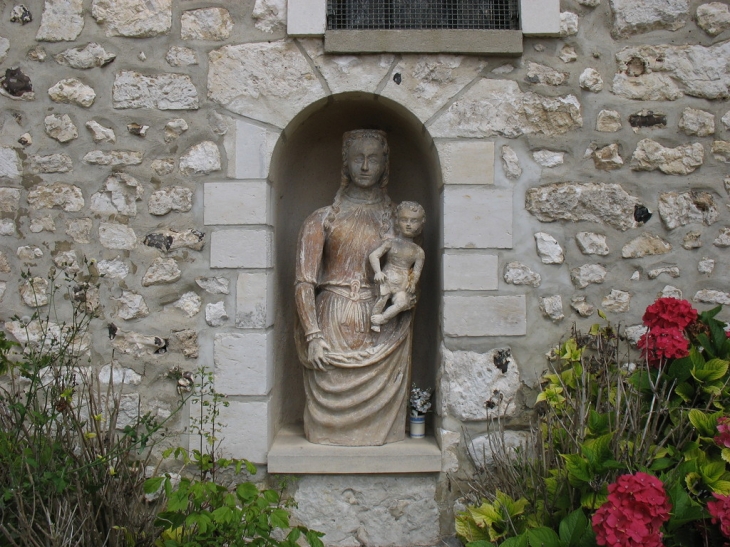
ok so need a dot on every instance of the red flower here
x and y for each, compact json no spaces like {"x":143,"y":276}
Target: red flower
{"x":637,"y":507}
{"x":670,"y":313}
{"x":663,"y":343}
{"x":723,"y":428}
{"x":720,"y":511}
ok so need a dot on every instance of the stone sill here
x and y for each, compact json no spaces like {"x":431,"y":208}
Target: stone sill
{"x":292,"y":453}
{"x":493,"y":42}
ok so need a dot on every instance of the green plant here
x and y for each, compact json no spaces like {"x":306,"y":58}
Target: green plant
{"x":614,"y":435}
{"x":202,"y":511}
{"x":69,"y":473}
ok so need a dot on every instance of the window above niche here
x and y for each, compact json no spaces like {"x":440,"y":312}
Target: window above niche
{"x":492,"y":27}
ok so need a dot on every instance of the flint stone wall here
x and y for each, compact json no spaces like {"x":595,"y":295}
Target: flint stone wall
{"x":585,"y":175}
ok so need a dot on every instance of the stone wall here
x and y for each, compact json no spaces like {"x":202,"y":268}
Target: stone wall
{"x":589,"y":173}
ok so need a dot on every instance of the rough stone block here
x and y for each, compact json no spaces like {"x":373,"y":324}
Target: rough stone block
{"x":540,"y":17}
{"x":242,"y":363}
{"x":247,"y":248}
{"x":467,"y":162}
{"x":306,"y":17}
{"x":477,"y":217}
{"x":470,"y":272}
{"x":249,"y":149}
{"x":485,"y":315}
{"x":254,"y":295}
{"x":236,"y":203}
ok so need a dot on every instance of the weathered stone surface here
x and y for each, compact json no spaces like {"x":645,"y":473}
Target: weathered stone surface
{"x":169,"y":240}
{"x":608,"y":158}
{"x":119,"y":196}
{"x":706,"y":266}
{"x":269,"y":15}
{"x":498,"y":107}
{"x":697,"y":122}
{"x":568,"y":23}
{"x":548,"y":158}
{"x":721,"y":151}
{"x":185,"y":342}
{"x":114,"y":269}
{"x":133,"y":18}
{"x":670,"y":292}
{"x":34,"y":291}
{"x":53,"y":163}
{"x":692,"y":69}
{"x":254,"y":300}
{"x":40,"y":224}
{"x":68,"y":261}
{"x":726,"y":120}
{"x":215,"y":314}
{"x":206,"y":24}
{"x":602,"y":203}
{"x":350,"y":72}
{"x":7,"y":227}
{"x":201,"y":159}
{"x":72,"y":91}
{"x":175,"y":128}
{"x":516,"y":273}
{"x":91,"y":55}
{"x":511,"y":163}
{"x":213,"y":285}
{"x":136,"y":344}
{"x":678,"y":209}
{"x":650,"y":155}
{"x":645,"y":245}
{"x":713,"y":18}
{"x":484,"y":449}
{"x":100,"y":133}
{"x":723,"y":239}
{"x":117,"y":236}
{"x":586,"y":274}
{"x":590,"y":79}
{"x":117,"y":375}
{"x":692,"y":241}
{"x":181,"y":56}
{"x":131,"y":306}
{"x":541,"y":74}
{"x":10,"y":166}
{"x":162,"y":270}
{"x":591,"y":243}
{"x":548,"y":249}
{"x":37,"y":54}
{"x":26,"y":253}
{"x":469,"y":380}
{"x":64,"y":196}
{"x":62,"y":20}
{"x":616,"y":301}
{"x":9,"y":200}
{"x":369,"y":509}
{"x":646,"y":118}
{"x":189,"y":303}
{"x":79,"y":229}
{"x":60,"y":128}
{"x":567,"y":54}
{"x":581,"y":306}
{"x":552,"y":307}
{"x":3,"y":288}
{"x":4,"y":47}
{"x":470,"y":271}
{"x":113,"y":158}
{"x":711,"y":296}
{"x":485,"y":315}
{"x":631,"y":17}
{"x":162,"y":91}
{"x":4,"y":266}
{"x":671,"y":271}
{"x":163,"y":166}
{"x":249,"y":79}
{"x":170,"y":198}
{"x":608,"y":121}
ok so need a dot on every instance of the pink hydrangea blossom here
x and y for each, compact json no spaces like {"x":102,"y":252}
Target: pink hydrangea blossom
{"x":670,"y":313}
{"x":661,"y":343}
{"x":720,"y":512}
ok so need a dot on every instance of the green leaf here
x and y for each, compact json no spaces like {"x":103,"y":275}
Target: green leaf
{"x":712,"y":370}
{"x":685,"y":391}
{"x":726,"y":454}
{"x":661,"y":463}
{"x":681,"y":369}
{"x":247,"y":491}
{"x":313,"y":538}
{"x":598,"y":423}
{"x":152,"y":485}
{"x":517,"y":541}
{"x":272,"y":496}
{"x":480,"y":543}
{"x":577,"y":467}
{"x":543,"y":537}
{"x":703,"y":423}
{"x":573,"y":527}
{"x":280,"y":518}
{"x":684,"y":509}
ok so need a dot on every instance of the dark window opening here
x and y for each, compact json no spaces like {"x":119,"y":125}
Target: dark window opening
{"x":422,"y":14}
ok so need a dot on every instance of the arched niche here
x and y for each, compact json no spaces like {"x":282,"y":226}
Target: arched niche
{"x":305,"y":174}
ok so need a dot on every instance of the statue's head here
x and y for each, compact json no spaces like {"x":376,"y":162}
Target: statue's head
{"x":410,"y":217}
{"x":365,"y":158}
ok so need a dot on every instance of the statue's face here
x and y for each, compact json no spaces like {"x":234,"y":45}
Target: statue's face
{"x":366,"y":162}
{"x":410,"y":223}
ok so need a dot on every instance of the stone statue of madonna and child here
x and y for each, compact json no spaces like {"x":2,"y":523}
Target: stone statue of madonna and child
{"x":357,"y":268}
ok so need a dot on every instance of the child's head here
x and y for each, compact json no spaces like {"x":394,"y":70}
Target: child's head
{"x":410,"y":217}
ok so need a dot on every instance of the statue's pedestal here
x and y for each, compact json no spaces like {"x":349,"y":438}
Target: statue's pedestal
{"x":292,"y":453}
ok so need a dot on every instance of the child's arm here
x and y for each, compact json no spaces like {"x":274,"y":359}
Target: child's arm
{"x":375,"y":260}
{"x":417,"y":269}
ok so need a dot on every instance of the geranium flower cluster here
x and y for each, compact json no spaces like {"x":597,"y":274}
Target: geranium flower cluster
{"x":637,"y":507}
{"x":666,"y":318}
{"x":720,"y":511}
{"x":723,"y":428}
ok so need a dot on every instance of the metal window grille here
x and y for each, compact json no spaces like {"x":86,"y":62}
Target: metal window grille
{"x":422,"y":14}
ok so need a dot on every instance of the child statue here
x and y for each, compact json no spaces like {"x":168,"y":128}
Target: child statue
{"x":400,"y":275}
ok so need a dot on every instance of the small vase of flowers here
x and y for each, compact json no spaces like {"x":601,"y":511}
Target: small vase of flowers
{"x":420,"y":404}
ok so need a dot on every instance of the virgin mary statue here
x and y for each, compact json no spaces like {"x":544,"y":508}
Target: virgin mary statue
{"x":355,"y":379}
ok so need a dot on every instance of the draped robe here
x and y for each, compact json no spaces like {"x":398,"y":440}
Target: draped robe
{"x":361,"y":400}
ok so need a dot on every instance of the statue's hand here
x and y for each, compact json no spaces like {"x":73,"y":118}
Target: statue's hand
{"x":316,"y":354}
{"x":380,"y":277}
{"x":411,"y":288}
